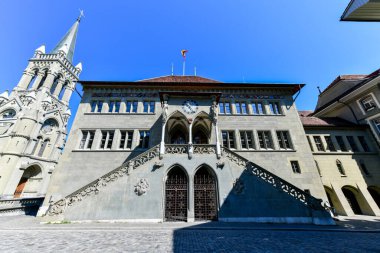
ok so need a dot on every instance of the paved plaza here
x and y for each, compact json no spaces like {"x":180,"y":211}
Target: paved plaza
{"x":26,"y":234}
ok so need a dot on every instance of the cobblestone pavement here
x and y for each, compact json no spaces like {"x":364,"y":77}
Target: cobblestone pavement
{"x":27,"y":235}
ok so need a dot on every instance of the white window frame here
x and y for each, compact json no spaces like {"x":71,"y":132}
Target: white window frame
{"x":359,"y":103}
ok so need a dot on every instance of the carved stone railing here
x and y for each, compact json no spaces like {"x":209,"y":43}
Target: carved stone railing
{"x":60,"y":57}
{"x":204,"y":149}
{"x":96,"y":185}
{"x":19,"y":205}
{"x":277,"y":182}
{"x":176,"y":148}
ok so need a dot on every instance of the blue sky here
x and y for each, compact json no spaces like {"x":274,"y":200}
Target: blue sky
{"x":293,"y":41}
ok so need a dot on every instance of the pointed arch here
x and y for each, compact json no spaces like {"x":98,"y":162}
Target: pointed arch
{"x":55,"y":83}
{"x":334,"y":201}
{"x":201,"y":128}
{"x":62,"y":91}
{"x":177,"y":128}
{"x":34,"y":72}
{"x":340,"y":167}
{"x":30,"y":182}
{"x":352,"y":196}
{"x":45,"y":71}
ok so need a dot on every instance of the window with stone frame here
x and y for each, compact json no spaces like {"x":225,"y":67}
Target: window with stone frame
{"x":126,"y":139}
{"x":368,"y":103}
{"x":342,"y":145}
{"x":352,"y":143}
{"x":8,"y":114}
{"x":283,"y":139}
{"x":340,"y":167}
{"x":275,"y":108}
{"x":364,"y":144}
{"x":228,"y":138}
{"x":295,"y":167}
{"x":246,"y":140}
{"x":131,"y":106}
{"x":329,"y":144}
{"x":376,"y":123}
{"x":224,"y":108}
{"x":114,"y":106}
{"x":241,"y":107}
{"x":96,"y":106}
{"x":143,"y":139}
{"x":149,"y":106}
{"x":107,"y":139}
{"x":265,"y":139}
{"x":258,"y":108}
{"x":318,"y":143}
{"x":87,"y":139}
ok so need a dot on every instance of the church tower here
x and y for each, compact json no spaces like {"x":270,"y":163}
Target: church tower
{"x":33,"y":119}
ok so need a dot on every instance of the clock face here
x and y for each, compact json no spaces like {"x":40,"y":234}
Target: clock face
{"x":190,"y":106}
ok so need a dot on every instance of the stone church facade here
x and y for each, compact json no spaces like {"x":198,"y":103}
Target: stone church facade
{"x":185,"y":148}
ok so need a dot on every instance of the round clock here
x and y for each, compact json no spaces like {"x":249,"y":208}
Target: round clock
{"x":190,"y":106}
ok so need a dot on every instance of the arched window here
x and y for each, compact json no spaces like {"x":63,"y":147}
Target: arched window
{"x":42,"y":81}
{"x":340,"y":167}
{"x":43,"y":147}
{"x":39,"y":140}
{"x":8,"y":114}
{"x":30,"y":84}
{"x":54,"y":85}
{"x":60,"y":96}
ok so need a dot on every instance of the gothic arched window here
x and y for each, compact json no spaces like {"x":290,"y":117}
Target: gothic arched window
{"x":340,"y":167}
{"x":8,"y":114}
{"x":43,"y":147}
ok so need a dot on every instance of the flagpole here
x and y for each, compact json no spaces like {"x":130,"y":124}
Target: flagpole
{"x":184,"y":66}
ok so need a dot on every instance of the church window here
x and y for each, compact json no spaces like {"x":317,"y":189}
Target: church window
{"x":228,"y":139}
{"x":295,"y":167}
{"x":126,"y":139}
{"x":39,"y":140}
{"x":87,"y":139}
{"x":144,"y":139}
{"x":342,"y":145}
{"x":114,"y":106}
{"x":241,"y":108}
{"x":149,"y":106}
{"x":246,"y":139}
{"x":363,"y":167}
{"x":283,"y":140}
{"x":368,"y":103}
{"x":364,"y":144}
{"x":318,"y":143}
{"x":43,"y":147}
{"x":107,"y":138}
{"x":309,"y":141}
{"x":330,"y":144}
{"x":352,"y":143}
{"x":224,"y":108}
{"x":8,"y":114}
{"x":340,"y":167}
{"x":131,"y":107}
{"x":265,"y":139}
{"x":258,"y":108}
{"x":96,"y":106}
{"x":275,"y":108}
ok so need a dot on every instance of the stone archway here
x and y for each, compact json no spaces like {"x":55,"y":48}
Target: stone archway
{"x":176,"y":195}
{"x":177,"y":129}
{"x":334,"y":201}
{"x":201,"y":129}
{"x":205,"y":195}
{"x":351,"y":196}
{"x":30,"y":182}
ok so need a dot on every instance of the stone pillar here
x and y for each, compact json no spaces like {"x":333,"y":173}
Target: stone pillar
{"x":346,"y":206}
{"x":67,"y":95}
{"x":25,"y":80}
{"x":214,"y":118}
{"x":38,"y":79}
{"x":191,"y":148}
{"x":372,"y":208}
{"x":190,"y":208}
{"x":58,"y":89}
{"x":164,"y":119}
{"x":49,"y":81}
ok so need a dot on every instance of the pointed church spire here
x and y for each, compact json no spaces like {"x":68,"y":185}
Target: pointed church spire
{"x":67,"y":43}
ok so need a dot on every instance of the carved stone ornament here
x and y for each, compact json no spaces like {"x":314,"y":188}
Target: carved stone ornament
{"x":142,"y":187}
{"x":220,"y":164}
{"x":238,"y":187}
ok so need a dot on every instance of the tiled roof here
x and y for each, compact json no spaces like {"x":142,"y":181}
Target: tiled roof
{"x":345,"y":78}
{"x":179,"y":79}
{"x":315,"y":121}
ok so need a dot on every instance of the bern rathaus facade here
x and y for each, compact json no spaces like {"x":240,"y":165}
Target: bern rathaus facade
{"x":33,"y":119}
{"x":185,"y":148}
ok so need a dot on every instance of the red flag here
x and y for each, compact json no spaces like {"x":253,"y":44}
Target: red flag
{"x":183,"y":52}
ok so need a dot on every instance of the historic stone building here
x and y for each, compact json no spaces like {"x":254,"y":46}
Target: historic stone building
{"x":187,"y":148}
{"x":33,"y":119}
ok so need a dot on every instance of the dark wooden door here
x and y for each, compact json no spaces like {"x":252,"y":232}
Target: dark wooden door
{"x":205,"y":201}
{"x":176,"y":196}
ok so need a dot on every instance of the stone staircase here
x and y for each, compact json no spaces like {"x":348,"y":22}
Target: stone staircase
{"x":93,"y":188}
{"x":22,"y":206}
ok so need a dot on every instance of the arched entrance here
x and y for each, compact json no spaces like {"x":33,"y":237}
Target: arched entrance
{"x":176,"y":200}
{"x":30,"y":182}
{"x":177,"y":129}
{"x":375,"y":193}
{"x":201,"y":129}
{"x":352,"y":200}
{"x":205,"y":195}
{"x":334,"y":201}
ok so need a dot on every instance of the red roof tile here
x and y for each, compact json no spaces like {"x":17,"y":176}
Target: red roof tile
{"x":179,"y":79}
{"x":345,"y":77}
{"x":315,"y":121}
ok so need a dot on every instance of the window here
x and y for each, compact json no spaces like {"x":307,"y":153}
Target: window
{"x":107,"y":138}
{"x":330,"y":144}
{"x":309,"y":141}
{"x":376,"y":122}
{"x":8,"y":114}
{"x":275,"y":108}
{"x":258,"y":108}
{"x":246,"y":139}
{"x":352,"y":143}
{"x":368,"y":103}
{"x":224,"y":108}
{"x":43,"y":147}
{"x":241,"y":108}
{"x":339,"y":165}
{"x":131,"y":107}
{"x":144,"y":139}
{"x":364,"y":144}
{"x":341,"y":143}
{"x":283,"y":140}
{"x":295,"y":167}
{"x":87,"y":139}
{"x":228,"y":139}
{"x":126,"y":139}
{"x":39,"y":140}
{"x":149,"y":106}
{"x":96,"y":106}
{"x":363,"y":167}
{"x":265,"y":140}
{"x":318,"y":143}
{"x":114,"y":106}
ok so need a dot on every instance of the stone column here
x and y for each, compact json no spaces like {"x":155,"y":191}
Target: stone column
{"x":38,"y":79}
{"x":67,"y":95}
{"x":49,"y":81}
{"x":191,"y":148}
{"x":164,"y":120}
{"x":25,"y":80}
{"x":371,"y":206}
{"x":58,"y":89}
{"x":214,"y":118}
